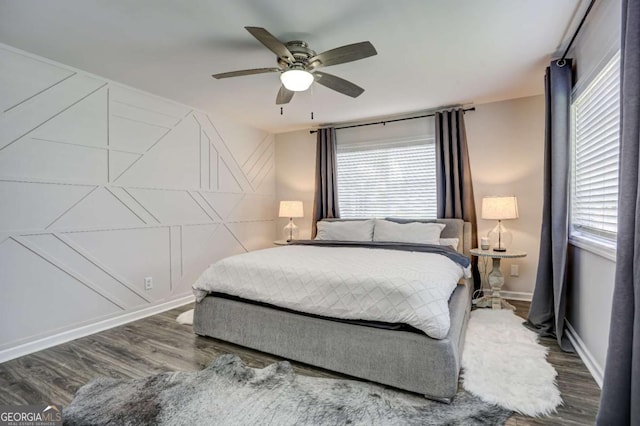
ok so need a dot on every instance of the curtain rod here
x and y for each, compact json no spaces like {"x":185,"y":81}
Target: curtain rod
{"x":390,"y":121}
{"x":575,"y":34}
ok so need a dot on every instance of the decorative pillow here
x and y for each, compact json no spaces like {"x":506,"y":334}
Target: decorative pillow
{"x":350,"y":230}
{"x":413,"y":232}
{"x":451,"y":242}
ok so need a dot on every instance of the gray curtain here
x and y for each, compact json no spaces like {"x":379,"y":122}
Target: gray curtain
{"x":453,"y":176}
{"x":620,"y":400}
{"x":325,"y":204}
{"x":546,"y":315}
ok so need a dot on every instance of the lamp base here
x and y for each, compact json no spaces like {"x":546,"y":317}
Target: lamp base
{"x":291,"y":231}
{"x":500,"y":238}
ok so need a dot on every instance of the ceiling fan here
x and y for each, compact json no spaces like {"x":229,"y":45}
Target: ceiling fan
{"x":298,"y":65}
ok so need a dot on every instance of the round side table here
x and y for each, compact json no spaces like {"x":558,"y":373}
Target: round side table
{"x":496,"y":279}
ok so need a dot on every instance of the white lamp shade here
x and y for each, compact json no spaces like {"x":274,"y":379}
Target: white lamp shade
{"x":296,"y":80}
{"x":290,"y":209}
{"x":500,"y":208}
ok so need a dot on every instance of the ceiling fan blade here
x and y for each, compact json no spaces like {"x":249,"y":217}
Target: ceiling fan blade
{"x":284,"y":96}
{"x":338,"y":84}
{"x":340,"y":55}
{"x":244,"y":72}
{"x":272,"y":43}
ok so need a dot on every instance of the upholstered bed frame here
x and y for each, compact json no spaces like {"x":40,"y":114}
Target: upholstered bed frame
{"x":402,"y":359}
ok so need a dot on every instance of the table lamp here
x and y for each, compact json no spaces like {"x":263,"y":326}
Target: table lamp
{"x":500,"y":208}
{"x":291,"y":209}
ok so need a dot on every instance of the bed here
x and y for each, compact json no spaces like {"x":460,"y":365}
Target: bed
{"x":398,"y":356}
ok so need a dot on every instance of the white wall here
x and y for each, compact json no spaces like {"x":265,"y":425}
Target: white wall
{"x":506,"y":149}
{"x":101,"y":186}
{"x":295,"y":176}
{"x":591,"y":276}
{"x":589,"y":306}
{"x":506,"y":145}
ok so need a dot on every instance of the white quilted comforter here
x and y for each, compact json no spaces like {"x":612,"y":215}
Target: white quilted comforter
{"x":343,"y":282}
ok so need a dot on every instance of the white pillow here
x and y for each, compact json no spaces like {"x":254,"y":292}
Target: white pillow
{"x":451,"y":242}
{"x":350,"y":230}
{"x":412,"y":232}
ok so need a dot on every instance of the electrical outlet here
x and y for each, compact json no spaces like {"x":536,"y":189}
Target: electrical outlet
{"x":515,"y":270}
{"x":148,"y":283}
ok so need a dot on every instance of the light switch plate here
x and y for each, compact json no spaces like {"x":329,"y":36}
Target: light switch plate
{"x":515,"y":270}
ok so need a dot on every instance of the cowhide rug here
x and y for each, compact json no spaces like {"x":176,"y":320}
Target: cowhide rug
{"x":228,"y":392}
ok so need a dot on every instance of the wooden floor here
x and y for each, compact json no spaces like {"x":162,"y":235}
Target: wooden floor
{"x":157,"y":344}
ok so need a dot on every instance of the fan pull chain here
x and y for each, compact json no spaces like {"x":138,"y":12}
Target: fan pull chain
{"x":280,"y":110}
{"x":312,"y":115}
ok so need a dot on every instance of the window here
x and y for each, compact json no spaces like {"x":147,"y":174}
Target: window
{"x":391,"y":178}
{"x":594,"y":183}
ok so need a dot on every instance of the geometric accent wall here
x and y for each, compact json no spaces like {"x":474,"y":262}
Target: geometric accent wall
{"x":102,"y":185}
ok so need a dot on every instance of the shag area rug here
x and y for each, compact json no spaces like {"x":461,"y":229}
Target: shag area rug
{"x":228,"y":392}
{"x":504,"y":364}
{"x":186,"y":318}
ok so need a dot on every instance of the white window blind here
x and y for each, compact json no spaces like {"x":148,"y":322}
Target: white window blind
{"x":394,"y":178}
{"x":596,"y":128}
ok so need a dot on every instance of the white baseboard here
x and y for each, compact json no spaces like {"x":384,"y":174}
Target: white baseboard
{"x":66,"y":336}
{"x":517,"y":295}
{"x":585,"y":355}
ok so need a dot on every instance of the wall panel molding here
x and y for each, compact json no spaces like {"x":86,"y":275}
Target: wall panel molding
{"x":110,"y":185}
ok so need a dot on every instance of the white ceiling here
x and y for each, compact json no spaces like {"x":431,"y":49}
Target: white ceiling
{"x":431,"y":53}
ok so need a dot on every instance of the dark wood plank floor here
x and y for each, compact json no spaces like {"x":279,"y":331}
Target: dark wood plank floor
{"x":157,"y":344}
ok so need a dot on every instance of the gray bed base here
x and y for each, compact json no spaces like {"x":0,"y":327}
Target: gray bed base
{"x":401,"y":359}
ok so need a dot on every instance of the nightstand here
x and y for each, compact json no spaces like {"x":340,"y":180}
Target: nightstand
{"x":281,"y":242}
{"x":496,"y":280}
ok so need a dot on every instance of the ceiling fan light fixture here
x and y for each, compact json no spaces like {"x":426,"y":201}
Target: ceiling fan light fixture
{"x":296,"y":80}
{"x":297,"y":61}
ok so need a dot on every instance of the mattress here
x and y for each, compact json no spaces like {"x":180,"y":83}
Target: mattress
{"x":408,"y":285}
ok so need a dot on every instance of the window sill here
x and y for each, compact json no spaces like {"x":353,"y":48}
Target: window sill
{"x":593,"y":246}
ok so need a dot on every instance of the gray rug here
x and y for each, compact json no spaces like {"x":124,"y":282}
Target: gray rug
{"x":228,"y":392}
